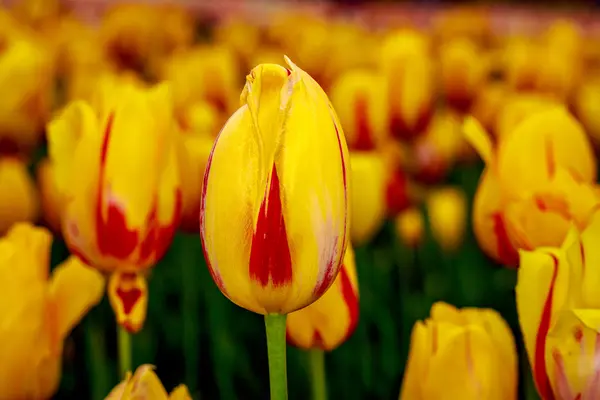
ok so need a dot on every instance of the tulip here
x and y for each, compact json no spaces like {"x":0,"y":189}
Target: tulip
{"x":38,"y":13}
{"x":587,"y":108}
{"x":447,"y":210}
{"x":408,"y":70}
{"x":200,"y":118}
{"x":369,"y":178}
{"x":273,"y":214}
{"x":463,"y":71}
{"x":331,"y":320}
{"x":243,"y":37}
{"x":523,"y":201}
{"x":51,"y":199}
{"x":145,"y":385}
{"x":115,"y":162}
{"x":520,"y":60}
{"x":488,"y":103}
{"x":19,"y":201}
{"x":38,"y":311}
{"x":410,"y":227}
{"x":517,"y":108}
{"x":559,"y":314}
{"x":358,"y":97}
{"x":461,"y":354}
{"x":470,"y":23}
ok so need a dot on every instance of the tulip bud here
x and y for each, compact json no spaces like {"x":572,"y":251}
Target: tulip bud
{"x":19,"y":201}
{"x":115,"y":162}
{"x":559,"y":314}
{"x":331,"y":320}
{"x":461,"y":354}
{"x":447,"y":209}
{"x":358,"y":97}
{"x":488,"y":103}
{"x":52,"y":201}
{"x":274,"y":205}
{"x":145,"y":385}
{"x":38,"y":310}
{"x":410,"y":227}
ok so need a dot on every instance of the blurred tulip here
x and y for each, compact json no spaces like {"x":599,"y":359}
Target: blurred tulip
{"x":488,"y":103}
{"x":26,"y":68}
{"x":559,"y":314}
{"x":359,"y":99}
{"x":115,"y":162}
{"x":410,"y":227}
{"x":559,"y":72}
{"x":447,"y":210}
{"x":38,"y":311}
{"x":266,"y":55}
{"x":521,"y":58}
{"x":461,"y":354}
{"x":52,"y":200}
{"x":331,"y":320}
{"x":408,"y":69}
{"x":537,"y":182}
{"x":310,"y":45}
{"x":369,"y":177}
{"x":587,"y":108}
{"x":517,"y":107}
{"x":463,"y":71}
{"x":275,"y":239}
{"x":201,"y":118}
{"x":462,"y":22}
{"x":145,"y":385}
{"x":38,"y":13}
{"x":243,"y":37}
{"x":19,"y":201}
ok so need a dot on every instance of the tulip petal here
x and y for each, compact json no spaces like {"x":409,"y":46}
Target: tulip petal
{"x":421,"y":349}
{"x":146,"y":384}
{"x":75,"y":288}
{"x":128,"y":295}
{"x":479,"y":139}
{"x":181,"y":392}
{"x":590,"y":259}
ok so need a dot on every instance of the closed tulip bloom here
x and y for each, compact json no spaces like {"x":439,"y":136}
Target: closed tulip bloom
{"x":587,"y":108}
{"x":559,"y":314}
{"x":331,"y":320}
{"x":145,"y":385}
{"x":407,"y":66}
{"x":410,"y":227}
{"x":359,"y":99}
{"x":523,"y":201}
{"x":488,"y":103}
{"x":369,"y":177}
{"x":38,"y":311}
{"x":447,"y":210}
{"x":19,"y":201}
{"x":518,"y":107}
{"x":520,"y":60}
{"x":274,"y":208}
{"x":51,"y":199}
{"x":461,"y":354}
{"x":463,"y":71}
{"x":115,"y":162}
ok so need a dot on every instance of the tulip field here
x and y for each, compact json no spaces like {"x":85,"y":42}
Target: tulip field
{"x":300,"y":200}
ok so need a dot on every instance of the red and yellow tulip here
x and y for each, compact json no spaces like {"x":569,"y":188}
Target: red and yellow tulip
{"x":115,"y":163}
{"x":51,"y":199}
{"x":461,"y":354}
{"x":38,"y":310}
{"x":559,"y":313}
{"x":274,"y":209}
{"x":145,"y":385}
{"x":447,"y":210}
{"x":19,"y":201}
{"x":329,"y":321}
{"x":410,"y":227}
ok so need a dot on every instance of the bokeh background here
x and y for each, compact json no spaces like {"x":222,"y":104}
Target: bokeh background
{"x":193,"y":334}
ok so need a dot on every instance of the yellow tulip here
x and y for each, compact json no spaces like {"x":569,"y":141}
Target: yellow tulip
{"x":115,"y":162}
{"x":19,"y":201}
{"x":559,"y":313}
{"x":447,"y":210}
{"x":38,"y":310}
{"x":587,"y":107}
{"x":488,"y":103}
{"x":359,"y":99}
{"x":241,"y":36}
{"x":331,"y":320}
{"x":369,"y":177}
{"x":410,"y":227}
{"x":518,"y":107}
{"x":462,"y":22}
{"x":26,"y":68}
{"x":274,"y":209}
{"x":538,"y":180}
{"x":51,"y":199}
{"x":463,"y":71}
{"x":461,"y":354}
{"x":520,"y":60}
{"x":407,"y":65}
{"x":145,"y":385}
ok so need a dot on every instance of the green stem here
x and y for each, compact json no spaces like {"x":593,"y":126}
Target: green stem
{"x":100,"y":374}
{"x":275,"y":326}
{"x":317,"y":370}
{"x":190,"y":299}
{"x":124,"y":346}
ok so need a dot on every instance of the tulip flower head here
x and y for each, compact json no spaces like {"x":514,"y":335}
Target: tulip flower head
{"x":38,"y":311}
{"x":559,"y":312}
{"x":145,"y":385}
{"x":410,"y":227}
{"x":274,"y":209}
{"x":115,"y":162}
{"x":461,"y":354}
{"x":447,"y":209}
{"x":518,"y":107}
{"x":331,"y":320}
{"x":19,"y":201}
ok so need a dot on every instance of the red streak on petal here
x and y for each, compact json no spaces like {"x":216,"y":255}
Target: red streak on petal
{"x":363,"y":139}
{"x":351,"y":300}
{"x":396,"y":193}
{"x":550,"y":157}
{"x":317,"y":341}
{"x":113,"y":236}
{"x":434,"y":338}
{"x":578,"y":334}
{"x":540,"y":374}
{"x":129,"y":297}
{"x":328,"y":278}
{"x":270,"y":258}
{"x":399,"y":128}
{"x":506,"y":252}
{"x":582,"y":252}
